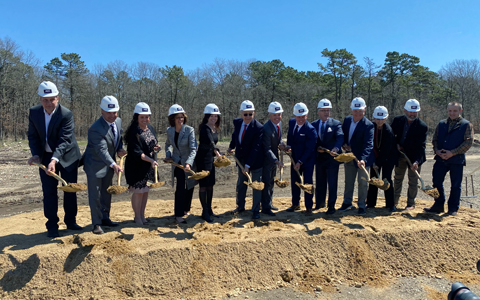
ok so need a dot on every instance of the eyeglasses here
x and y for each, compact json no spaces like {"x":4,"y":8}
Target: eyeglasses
{"x":249,"y":115}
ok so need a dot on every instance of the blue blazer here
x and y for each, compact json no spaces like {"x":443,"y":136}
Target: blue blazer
{"x":332,"y":137}
{"x":362,"y":139}
{"x":250,"y":152}
{"x":303,"y":143}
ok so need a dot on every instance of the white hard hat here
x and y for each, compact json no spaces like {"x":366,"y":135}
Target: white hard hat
{"x":300,"y":109}
{"x":47,"y":89}
{"x":211,"y":109}
{"x":412,"y":105}
{"x":380,"y":112}
{"x":109,"y":104}
{"x":247,"y":105}
{"x":358,"y":103}
{"x":324,"y":103}
{"x":175,"y":109}
{"x":275,"y":108}
{"x":142,"y":108}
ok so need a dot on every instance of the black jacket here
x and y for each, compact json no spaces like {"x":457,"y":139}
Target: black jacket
{"x":415,"y":141}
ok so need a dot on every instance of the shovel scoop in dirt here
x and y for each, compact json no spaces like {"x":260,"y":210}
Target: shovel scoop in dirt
{"x":429,"y":190}
{"x":281,"y":183}
{"x":195,"y":175}
{"x":156,"y":184}
{"x":66,"y":187}
{"x":254,"y":185}
{"x":307,"y":187}
{"x":118,"y":189}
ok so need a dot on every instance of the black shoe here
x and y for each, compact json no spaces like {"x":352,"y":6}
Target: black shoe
{"x":53,"y":233}
{"x":74,"y":226}
{"x":108,"y":222}
{"x":214,"y":215}
{"x":330,"y":211}
{"x":237,"y":210}
{"x":370,"y":206}
{"x":207,"y":218}
{"x":452,"y":213}
{"x":361,"y":211}
{"x":274,"y":208}
{"x":308,"y":212}
{"x":293,"y":208}
{"x":255,"y":216}
{"x":320,"y":206}
{"x":97,"y":229}
{"x":434,"y":210}
{"x":392,"y":209}
{"x":270,"y":213}
{"x":345,"y":207}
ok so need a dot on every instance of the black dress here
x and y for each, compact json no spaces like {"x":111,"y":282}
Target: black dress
{"x":206,"y":155}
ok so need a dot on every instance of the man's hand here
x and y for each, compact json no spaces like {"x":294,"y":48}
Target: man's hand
{"x":334,"y":152}
{"x":400,"y":148}
{"x":230,"y":150}
{"x":297,"y":166}
{"x":279,"y":164}
{"x":34,"y":159}
{"x":281,"y":147}
{"x":347,"y":147}
{"x":320,"y":150}
{"x":246,"y":170}
{"x":445,"y":154}
{"x":287,"y":149}
{"x":121,"y":153}
{"x":414,"y":166}
{"x":361,"y":163}
{"x":117,"y":169}
{"x":51,"y":167}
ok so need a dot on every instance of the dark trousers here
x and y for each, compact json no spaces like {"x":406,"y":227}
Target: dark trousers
{"x":326,"y":173}
{"x":50,"y":196}
{"x":183,"y":197}
{"x":307,"y":172}
{"x":386,"y":173}
{"x":268,"y":178}
{"x":440,"y":169}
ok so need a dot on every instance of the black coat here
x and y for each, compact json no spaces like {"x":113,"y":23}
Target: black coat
{"x":415,"y":141}
{"x":386,"y":144}
{"x":136,"y":168}
{"x":250,"y":152}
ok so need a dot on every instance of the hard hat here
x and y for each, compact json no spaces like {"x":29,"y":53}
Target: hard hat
{"x":380,"y":112}
{"x":412,"y":105}
{"x":211,"y":109}
{"x":275,"y":108}
{"x":358,"y":103}
{"x":324,"y":103}
{"x":109,"y":104}
{"x":175,"y":109}
{"x":247,"y":105}
{"x":300,"y":109}
{"x":142,"y":108}
{"x":47,"y":89}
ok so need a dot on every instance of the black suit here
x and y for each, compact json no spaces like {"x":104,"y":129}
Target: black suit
{"x":61,"y":140}
{"x":271,"y":140}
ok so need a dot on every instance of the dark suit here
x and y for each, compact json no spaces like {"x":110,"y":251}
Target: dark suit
{"x":249,"y":152}
{"x":271,"y":140}
{"x":62,"y":142}
{"x":303,"y":150}
{"x":326,"y":167}
{"x":98,"y":157}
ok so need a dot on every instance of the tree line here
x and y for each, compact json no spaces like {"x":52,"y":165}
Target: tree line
{"x":227,"y":83}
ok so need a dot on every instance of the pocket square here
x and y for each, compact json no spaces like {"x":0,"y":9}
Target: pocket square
{"x":329,"y":129}
{"x":302,"y":134}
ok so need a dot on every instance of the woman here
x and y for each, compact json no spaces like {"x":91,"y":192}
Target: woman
{"x":141,"y":142}
{"x":181,"y":148}
{"x":208,"y":138}
{"x":383,"y":143}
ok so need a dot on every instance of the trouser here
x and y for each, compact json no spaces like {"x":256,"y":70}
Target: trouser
{"x":268,"y":178}
{"x":400,"y":170}
{"x":351,"y":172}
{"x":386,"y":173}
{"x":99,"y":199}
{"x":50,"y":196}
{"x":326,"y":173}
{"x":307,"y":172}
{"x":440,"y":169}
{"x":242,"y":189}
{"x":183,"y":196}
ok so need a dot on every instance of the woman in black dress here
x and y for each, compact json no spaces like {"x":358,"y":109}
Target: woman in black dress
{"x":206,"y":153}
{"x":141,"y":142}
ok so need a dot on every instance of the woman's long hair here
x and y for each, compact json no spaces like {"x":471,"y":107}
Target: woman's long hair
{"x":205,"y":121}
{"x":131,"y":128}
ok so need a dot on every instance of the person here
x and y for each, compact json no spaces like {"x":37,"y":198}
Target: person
{"x":181,"y":148}
{"x":451,"y":140}
{"x":411,"y":137}
{"x":330,"y":136}
{"x":52,"y":143}
{"x":142,"y":145}
{"x":207,"y":151}
{"x":104,"y":143}
{"x":301,"y":140}
{"x":383,"y":143}
{"x":359,"y":141}
{"x":246,"y":143}
{"x":272,"y":142}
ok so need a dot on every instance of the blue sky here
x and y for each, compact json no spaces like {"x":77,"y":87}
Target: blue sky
{"x":193,"y":33}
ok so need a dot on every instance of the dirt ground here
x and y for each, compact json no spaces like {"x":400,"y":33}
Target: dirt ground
{"x":404,"y":255}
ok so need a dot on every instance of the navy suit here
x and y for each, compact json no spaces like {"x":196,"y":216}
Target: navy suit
{"x":248,"y":152}
{"x":326,"y":167}
{"x":271,"y":140}
{"x":302,"y":144}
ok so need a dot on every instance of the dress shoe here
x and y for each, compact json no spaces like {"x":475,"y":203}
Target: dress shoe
{"x":361,"y":211}
{"x":97,"y":229}
{"x":237,"y":210}
{"x":320,"y":206}
{"x":308,"y":212}
{"x":274,"y":208}
{"x":74,"y":226}
{"x":180,"y":220}
{"x":330,"y":211}
{"x":108,"y":222}
{"x":53,"y":233}
{"x":293,"y":208}
{"x":434,"y":210}
{"x":452,"y":213}
{"x":392,"y":209}
{"x":410,"y":207}
{"x":270,"y":213}
{"x":255,"y":216}
{"x":345,"y":207}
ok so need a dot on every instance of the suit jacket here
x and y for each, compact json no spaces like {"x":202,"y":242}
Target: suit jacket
{"x":332,"y":138}
{"x":303,"y":143}
{"x":185,"y":152}
{"x":61,"y":137}
{"x":101,"y":150}
{"x":250,"y":152}
{"x":415,"y":141}
{"x":386,"y":142}
{"x":271,"y":140}
{"x":362,"y":139}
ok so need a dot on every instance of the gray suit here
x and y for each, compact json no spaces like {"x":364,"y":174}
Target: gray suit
{"x":271,"y":140}
{"x":98,"y":157}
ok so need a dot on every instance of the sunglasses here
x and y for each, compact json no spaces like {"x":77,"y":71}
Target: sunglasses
{"x":245,"y":115}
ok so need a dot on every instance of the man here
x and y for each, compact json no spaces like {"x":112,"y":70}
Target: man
{"x":272,"y":141}
{"x":301,"y":141}
{"x":358,"y":140}
{"x":52,"y":143}
{"x":330,"y":136}
{"x":104,"y":141}
{"x":452,"y":139}
{"x":247,"y":144}
{"x":411,"y":136}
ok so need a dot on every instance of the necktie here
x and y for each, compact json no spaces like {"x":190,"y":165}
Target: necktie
{"x":322,"y":131}
{"x":296,"y":130}
{"x":112,"y":126}
{"x":278,"y":128}
{"x":243,"y":133}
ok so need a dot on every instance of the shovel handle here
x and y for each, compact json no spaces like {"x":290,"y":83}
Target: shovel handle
{"x":294,"y":163}
{"x":51,"y":173}
{"x":180,"y":166}
{"x":156,"y":175}
{"x":238,"y":162}
{"x":410,"y":164}
{"x":121,"y":166}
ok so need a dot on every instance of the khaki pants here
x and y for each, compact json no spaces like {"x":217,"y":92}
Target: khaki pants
{"x":412,"y":182}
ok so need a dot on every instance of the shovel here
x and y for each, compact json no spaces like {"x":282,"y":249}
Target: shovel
{"x":196,"y":176}
{"x":221,"y":161}
{"x":254,"y":185}
{"x":66,"y":187}
{"x":429,"y":190}
{"x":156,"y":184}
{"x":281,"y":183}
{"x":385,"y":180}
{"x":308,"y":188}
{"x":118,"y":189}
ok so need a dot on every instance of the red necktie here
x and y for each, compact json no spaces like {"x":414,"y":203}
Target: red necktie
{"x":278,"y":127}
{"x":243,"y":133}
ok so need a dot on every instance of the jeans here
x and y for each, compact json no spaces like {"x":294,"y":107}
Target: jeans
{"x":440,"y":169}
